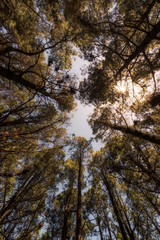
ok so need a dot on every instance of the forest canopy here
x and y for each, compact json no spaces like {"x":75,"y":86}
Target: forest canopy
{"x":55,"y":186}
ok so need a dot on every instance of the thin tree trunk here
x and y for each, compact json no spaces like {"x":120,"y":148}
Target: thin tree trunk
{"x":67,"y":212}
{"x":116,"y":210}
{"x":128,"y":228}
{"x":107,"y":222}
{"x":79,"y":203}
{"x":99,"y":224}
{"x":7,"y":209}
{"x":65,"y":224}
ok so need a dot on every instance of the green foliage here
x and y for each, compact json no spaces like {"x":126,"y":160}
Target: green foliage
{"x":43,"y":194}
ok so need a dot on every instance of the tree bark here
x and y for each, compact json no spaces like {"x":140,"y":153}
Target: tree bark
{"x":116,"y":210}
{"x":67,"y":212}
{"x":10,"y":75}
{"x":123,"y":212}
{"x":106,"y":219}
{"x":7,"y":209}
{"x":99,"y":224}
{"x":65,"y":223}
{"x":135,"y":133}
{"x":79,"y":203}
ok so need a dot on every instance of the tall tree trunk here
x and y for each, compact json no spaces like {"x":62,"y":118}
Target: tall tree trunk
{"x":65,"y":223}
{"x":98,"y":219}
{"x":14,"y":200}
{"x":67,"y":211}
{"x":135,"y":133}
{"x":123,"y":212}
{"x":115,"y":208}
{"x":79,"y":203}
{"x":106,"y":219}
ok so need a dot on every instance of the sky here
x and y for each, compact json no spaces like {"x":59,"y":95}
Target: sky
{"x":79,"y":125}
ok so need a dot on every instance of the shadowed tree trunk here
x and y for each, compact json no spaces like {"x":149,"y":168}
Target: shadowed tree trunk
{"x":98,"y":219}
{"x":135,"y":133}
{"x":106,"y":219}
{"x":115,"y":208}
{"x":67,"y":212}
{"x":79,"y":203}
{"x":10,"y":205}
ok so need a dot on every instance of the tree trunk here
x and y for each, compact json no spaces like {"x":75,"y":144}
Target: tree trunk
{"x":115,"y":208}
{"x":65,"y":224}
{"x":123,"y":212}
{"x":7,"y":209}
{"x":67,"y":212}
{"x":79,"y":203}
{"x":135,"y":133}
{"x":10,"y":75}
{"x":98,"y":219}
{"x":107,"y":221}
{"x":147,"y":40}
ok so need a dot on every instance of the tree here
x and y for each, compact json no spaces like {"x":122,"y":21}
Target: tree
{"x":24,"y":195}
{"x":117,"y":197}
{"x":80,"y":148}
{"x":123,"y":39}
{"x":128,"y":189}
{"x":97,"y":208}
{"x":34,"y":101}
{"x":65,"y":209}
{"x":61,"y":207}
{"x":22,"y":51}
{"x":101,"y":122}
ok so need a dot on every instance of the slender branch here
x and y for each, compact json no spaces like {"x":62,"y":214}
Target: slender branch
{"x":4,"y":235}
{"x":147,"y":40}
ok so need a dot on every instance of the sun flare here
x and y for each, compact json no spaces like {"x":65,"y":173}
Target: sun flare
{"x":121,"y":87}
